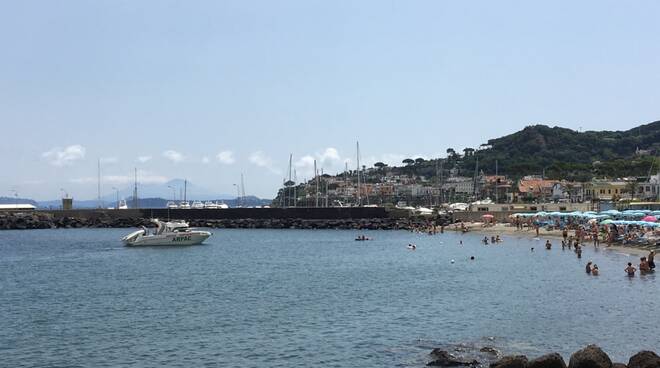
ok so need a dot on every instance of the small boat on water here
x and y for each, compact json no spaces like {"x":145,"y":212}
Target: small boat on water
{"x":166,"y":233}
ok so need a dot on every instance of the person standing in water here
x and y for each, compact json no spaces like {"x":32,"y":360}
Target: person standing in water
{"x":588,"y":268}
{"x":651,"y":259}
{"x":630,"y":270}
{"x":548,"y":245}
{"x":594,"y":271}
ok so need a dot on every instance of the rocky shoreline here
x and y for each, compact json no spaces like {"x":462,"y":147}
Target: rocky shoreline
{"x":38,"y":220}
{"x":590,"y":357}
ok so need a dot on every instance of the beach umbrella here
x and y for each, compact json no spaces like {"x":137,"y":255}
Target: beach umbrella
{"x":607,"y":222}
{"x":650,"y":219}
{"x":488,"y":216}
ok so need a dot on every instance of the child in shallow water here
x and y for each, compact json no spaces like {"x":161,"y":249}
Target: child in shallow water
{"x":594,"y":271}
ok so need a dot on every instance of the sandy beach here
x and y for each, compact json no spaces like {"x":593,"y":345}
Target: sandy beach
{"x":504,"y":229}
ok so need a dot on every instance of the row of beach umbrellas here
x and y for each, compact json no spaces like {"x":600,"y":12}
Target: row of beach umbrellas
{"x":641,"y":217}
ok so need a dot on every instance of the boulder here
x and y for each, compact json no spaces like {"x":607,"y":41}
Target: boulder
{"x":553,"y":360}
{"x":644,"y":359}
{"x":590,"y":357}
{"x":489,"y":350}
{"x":441,"y":358}
{"x":510,"y":361}
{"x":619,"y":365}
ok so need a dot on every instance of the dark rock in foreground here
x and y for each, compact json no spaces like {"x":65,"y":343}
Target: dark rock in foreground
{"x":553,"y":360}
{"x":619,"y":365}
{"x":510,"y":361}
{"x":590,"y":357}
{"x":644,"y":359}
{"x":489,"y":350}
{"x":441,"y":358}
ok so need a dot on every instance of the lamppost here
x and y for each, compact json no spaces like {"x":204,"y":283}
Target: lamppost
{"x":117,"y":203}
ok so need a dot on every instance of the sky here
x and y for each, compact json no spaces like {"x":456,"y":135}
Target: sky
{"x":207,"y":90}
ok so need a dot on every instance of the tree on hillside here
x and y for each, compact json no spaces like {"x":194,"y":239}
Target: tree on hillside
{"x":419,"y":160}
{"x":408,"y":161}
{"x":380,"y":165}
{"x":468,"y":151}
{"x":451,"y":152}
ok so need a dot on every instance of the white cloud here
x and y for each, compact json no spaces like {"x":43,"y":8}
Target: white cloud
{"x":330,"y":154}
{"x":226,"y":157}
{"x":258,"y":158}
{"x":144,"y":159}
{"x":109,"y":160}
{"x":205,"y":160}
{"x":173,"y":156}
{"x":67,"y":156}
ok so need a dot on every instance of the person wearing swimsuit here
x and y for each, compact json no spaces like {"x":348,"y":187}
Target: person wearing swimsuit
{"x":630,"y":270}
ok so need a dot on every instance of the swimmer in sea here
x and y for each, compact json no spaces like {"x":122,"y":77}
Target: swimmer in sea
{"x":588,"y":268}
{"x":548,"y":245}
{"x":630,"y":270}
{"x":594,"y":271}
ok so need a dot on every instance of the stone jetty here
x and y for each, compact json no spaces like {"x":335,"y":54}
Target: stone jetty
{"x":44,"y":220}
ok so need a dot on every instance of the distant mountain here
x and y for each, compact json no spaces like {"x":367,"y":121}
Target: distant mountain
{"x":169,"y":190}
{"x":13,"y":200}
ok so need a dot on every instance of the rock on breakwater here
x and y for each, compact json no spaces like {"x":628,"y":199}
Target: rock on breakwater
{"x":39,"y":220}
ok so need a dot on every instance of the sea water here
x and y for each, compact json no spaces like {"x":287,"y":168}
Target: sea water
{"x":302,"y":298}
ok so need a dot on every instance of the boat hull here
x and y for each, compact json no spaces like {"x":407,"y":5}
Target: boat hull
{"x":184,"y":238}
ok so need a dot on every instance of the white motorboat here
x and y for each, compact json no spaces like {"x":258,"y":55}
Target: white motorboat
{"x":210,"y":205}
{"x":184,"y":205}
{"x":172,"y":205}
{"x":197,"y":205}
{"x":166,"y":233}
{"x":122,"y":205}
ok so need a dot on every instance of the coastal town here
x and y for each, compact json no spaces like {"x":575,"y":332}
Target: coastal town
{"x":381,"y":185}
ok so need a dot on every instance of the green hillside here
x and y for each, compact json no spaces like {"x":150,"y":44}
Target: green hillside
{"x":560,"y":153}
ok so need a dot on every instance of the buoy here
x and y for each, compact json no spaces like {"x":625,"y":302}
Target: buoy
{"x":452,"y":261}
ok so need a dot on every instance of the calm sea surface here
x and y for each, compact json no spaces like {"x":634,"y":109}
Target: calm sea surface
{"x":296,"y":298}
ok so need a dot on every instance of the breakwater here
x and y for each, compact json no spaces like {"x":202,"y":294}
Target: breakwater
{"x":250,"y":218}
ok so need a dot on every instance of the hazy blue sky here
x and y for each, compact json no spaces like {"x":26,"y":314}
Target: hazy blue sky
{"x":209,"y":89}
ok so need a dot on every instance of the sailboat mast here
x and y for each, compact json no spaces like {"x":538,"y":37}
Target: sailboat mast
{"x":316,"y":179}
{"x":496,"y":182}
{"x":359,"y":196}
{"x":99,"y":184}
{"x":135,"y":192}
